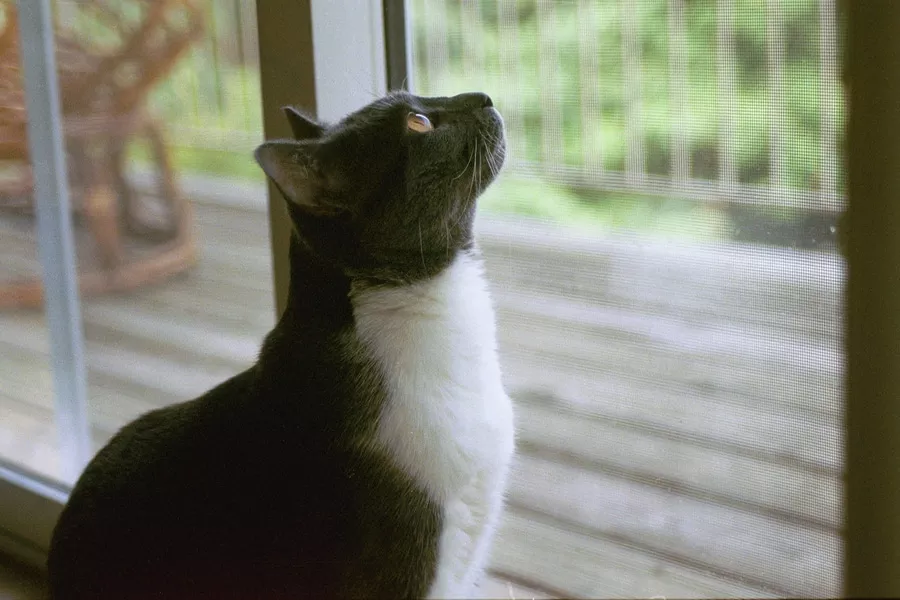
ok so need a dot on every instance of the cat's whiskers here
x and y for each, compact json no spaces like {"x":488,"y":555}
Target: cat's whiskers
{"x":422,"y":249}
{"x":460,"y":214}
{"x":489,"y":156}
{"x":465,"y":168}
{"x":491,"y":140}
{"x":475,"y":171}
{"x":496,"y":164}
{"x":474,"y":168}
{"x":447,"y":238}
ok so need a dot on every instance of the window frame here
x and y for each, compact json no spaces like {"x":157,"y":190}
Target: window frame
{"x":872,"y":446}
{"x":284,"y":27}
{"x":55,"y":237}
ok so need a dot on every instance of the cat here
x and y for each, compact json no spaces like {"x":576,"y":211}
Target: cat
{"x":366,"y":453}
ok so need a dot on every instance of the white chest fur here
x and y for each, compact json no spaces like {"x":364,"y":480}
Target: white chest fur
{"x":447,"y":422}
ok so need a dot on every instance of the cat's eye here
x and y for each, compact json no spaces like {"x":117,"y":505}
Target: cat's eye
{"x":418,"y":122}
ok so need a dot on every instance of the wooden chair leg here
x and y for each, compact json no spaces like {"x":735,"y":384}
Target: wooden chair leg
{"x":101,"y":212}
{"x":166,"y":194}
{"x":179,"y":209}
{"x":126,"y":198}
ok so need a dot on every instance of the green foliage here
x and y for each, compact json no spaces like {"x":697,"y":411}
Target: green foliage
{"x":551,"y":66}
{"x":197,"y":96}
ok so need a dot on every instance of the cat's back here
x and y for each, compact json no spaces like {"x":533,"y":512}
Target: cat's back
{"x":254,"y":489}
{"x":157,"y":500}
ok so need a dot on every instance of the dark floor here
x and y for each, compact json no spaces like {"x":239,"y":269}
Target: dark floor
{"x":20,"y":583}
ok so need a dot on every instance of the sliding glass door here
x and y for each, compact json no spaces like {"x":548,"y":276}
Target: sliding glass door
{"x":136,"y":263}
{"x":127,"y":280}
{"x":667,"y":250}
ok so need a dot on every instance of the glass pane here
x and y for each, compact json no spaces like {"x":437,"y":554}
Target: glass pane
{"x":195,"y":267}
{"x":162,"y":110}
{"x":664,"y":258}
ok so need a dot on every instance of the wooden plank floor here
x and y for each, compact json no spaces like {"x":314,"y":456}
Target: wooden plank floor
{"x":18,"y":582}
{"x":679,"y":406}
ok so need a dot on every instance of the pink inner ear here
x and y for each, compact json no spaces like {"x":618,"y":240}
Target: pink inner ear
{"x":282,"y":162}
{"x":287,"y":163}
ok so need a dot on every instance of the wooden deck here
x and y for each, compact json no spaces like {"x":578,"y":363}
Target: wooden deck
{"x":679,"y":406}
{"x":18,"y":582}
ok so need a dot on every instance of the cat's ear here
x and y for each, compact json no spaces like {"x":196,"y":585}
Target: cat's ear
{"x":303,"y":127}
{"x":290,"y":164}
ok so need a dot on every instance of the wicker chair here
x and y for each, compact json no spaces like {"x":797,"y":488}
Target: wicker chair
{"x":109,"y":55}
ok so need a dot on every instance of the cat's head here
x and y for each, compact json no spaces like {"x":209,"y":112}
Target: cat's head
{"x":389,"y":192}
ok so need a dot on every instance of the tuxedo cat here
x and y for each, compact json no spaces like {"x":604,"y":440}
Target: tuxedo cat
{"x":366,"y":453}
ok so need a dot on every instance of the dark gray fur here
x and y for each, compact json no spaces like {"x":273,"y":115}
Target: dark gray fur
{"x":266,"y":486}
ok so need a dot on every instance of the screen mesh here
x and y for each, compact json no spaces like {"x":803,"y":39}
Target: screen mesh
{"x":663,"y":255}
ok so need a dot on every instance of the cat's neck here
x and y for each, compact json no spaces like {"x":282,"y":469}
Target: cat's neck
{"x":318,"y":306}
{"x":318,"y":296}
{"x":317,"y":289}
{"x":454,"y":306}
{"x":434,"y":344}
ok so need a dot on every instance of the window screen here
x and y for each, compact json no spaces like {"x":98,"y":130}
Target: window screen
{"x":664,"y":258}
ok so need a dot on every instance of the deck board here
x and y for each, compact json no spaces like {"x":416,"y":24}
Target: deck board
{"x":678,"y":407}
{"x":723,"y":539}
{"x":573,"y":563}
{"x":675,"y":463}
{"x":790,"y":291}
{"x":655,"y":407}
{"x":735,"y":362}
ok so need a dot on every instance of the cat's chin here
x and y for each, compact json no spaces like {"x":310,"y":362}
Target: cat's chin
{"x":494,"y":114}
{"x":494,"y":139}
{"x":492,"y":123}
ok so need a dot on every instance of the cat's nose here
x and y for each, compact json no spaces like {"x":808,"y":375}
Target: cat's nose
{"x":474,"y":100}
